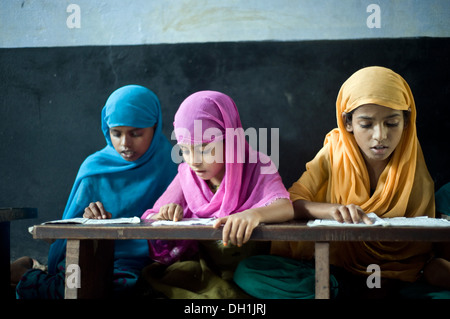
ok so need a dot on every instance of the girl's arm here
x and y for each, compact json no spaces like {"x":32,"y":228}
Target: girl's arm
{"x":239,"y":227}
{"x":304,"y":209}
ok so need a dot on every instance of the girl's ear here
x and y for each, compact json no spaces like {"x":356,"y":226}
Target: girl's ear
{"x":347,"y":119}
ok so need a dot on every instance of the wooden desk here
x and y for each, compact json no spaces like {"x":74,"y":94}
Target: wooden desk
{"x":6,"y":216}
{"x":91,"y":247}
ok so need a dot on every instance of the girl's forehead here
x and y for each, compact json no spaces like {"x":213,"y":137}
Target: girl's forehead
{"x":200,"y":145}
{"x":125,"y":128}
{"x":191,"y":146}
{"x":375,"y":110}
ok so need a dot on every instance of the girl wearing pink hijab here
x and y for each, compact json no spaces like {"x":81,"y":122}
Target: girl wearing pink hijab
{"x":222,"y":177}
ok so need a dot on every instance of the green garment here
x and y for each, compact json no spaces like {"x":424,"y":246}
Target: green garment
{"x":275,"y":277}
{"x":443,"y":200}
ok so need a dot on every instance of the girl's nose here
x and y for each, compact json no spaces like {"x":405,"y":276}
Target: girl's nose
{"x":195,"y":158}
{"x":380,"y":132}
{"x":125,"y":141}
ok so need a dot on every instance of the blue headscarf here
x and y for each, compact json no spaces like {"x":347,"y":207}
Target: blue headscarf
{"x":144,"y":180}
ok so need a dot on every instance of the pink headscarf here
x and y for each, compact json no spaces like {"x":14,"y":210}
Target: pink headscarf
{"x":245,"y":185}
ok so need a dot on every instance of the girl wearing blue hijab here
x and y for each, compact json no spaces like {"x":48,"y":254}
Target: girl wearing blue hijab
{"x":121,"y":180}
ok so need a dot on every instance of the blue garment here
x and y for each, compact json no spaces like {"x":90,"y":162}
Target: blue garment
{"x":125,"y":188}
{"x":37,"y":284}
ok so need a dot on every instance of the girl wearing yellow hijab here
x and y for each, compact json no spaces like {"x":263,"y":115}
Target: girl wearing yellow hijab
{"x":372,"y":162}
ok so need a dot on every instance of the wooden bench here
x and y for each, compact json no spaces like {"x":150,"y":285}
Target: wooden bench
{"x":6,"y":216}
{"x":91,"y":247}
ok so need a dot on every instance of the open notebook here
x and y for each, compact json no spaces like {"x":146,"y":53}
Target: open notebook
{"x":185,"y":222}
{"x":132,"y":220}
{"x":422,"y":221}
{"x":89,"y":221}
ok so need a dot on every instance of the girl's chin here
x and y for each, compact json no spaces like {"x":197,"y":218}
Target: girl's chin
{"x":377,"y":157}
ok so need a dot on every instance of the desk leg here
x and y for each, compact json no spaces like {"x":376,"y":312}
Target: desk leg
{"x":89,"y":268}
{"x":5,"y":263}
{"x":322,"y":256}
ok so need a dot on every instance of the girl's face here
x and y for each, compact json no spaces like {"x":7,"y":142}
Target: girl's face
{"x":131,"y":142}
{"x":377,"y":130}
{"x":206,"y":160}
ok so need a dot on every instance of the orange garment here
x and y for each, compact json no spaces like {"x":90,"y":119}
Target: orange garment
{"x":338,"y":174}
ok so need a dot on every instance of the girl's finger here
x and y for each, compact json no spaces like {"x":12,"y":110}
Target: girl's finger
{"x":220,"y":221}
{"x":178,"y":215}
{"x":240,"y":233}
{"x":355,"y":214}
{"x":88,"y":213}
{"x":366,"y":219}
{"x":248,"y":234}
{"x":170,"y":211}
{"x":102,"y":210}
{"x":337,"y":215}
{"x":346,"y":217}
{"x":95,"y":211}
{"x":226,"y":233}
{"x":163,"y":212}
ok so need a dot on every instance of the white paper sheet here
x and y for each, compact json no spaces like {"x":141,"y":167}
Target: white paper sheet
{"x":185,"y":222}
{"x":89,"y":221}
{"x":422,"y":221}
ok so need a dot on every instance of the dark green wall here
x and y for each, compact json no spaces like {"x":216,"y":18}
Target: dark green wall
{"x":52,"y":97}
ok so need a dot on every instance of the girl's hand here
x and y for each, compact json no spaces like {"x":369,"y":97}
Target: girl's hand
{"x":96,"y":211}
{"x":170,"y":212}
{"x":238,"y":227}
{"x":350,"y":214}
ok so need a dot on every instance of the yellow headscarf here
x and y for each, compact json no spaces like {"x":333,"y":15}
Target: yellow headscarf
{"x":338,"y":174}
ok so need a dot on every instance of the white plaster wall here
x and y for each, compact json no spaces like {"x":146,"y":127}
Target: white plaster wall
{"x":43,"y":23}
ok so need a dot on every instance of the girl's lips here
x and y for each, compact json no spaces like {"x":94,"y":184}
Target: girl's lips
{"x":200,"y":172}
{"x":379,"y":149}
{"x":128,"y":154}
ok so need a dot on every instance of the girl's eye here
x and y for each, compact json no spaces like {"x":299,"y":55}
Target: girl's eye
{"x":136,"y":133}
{"x":392,"y":124}
{"x":365,"y":125}
{"x":115,"y":133}
{"x":207,"y":151}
